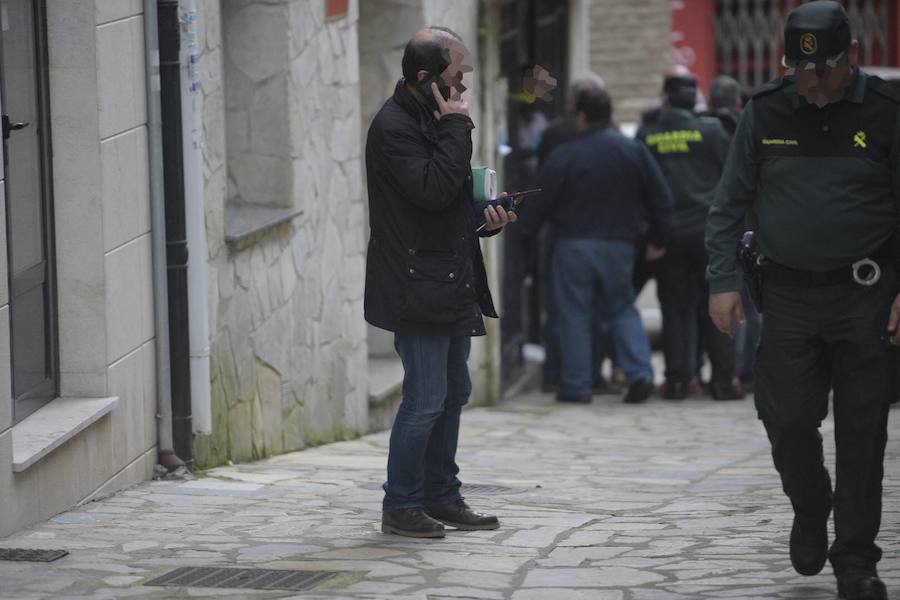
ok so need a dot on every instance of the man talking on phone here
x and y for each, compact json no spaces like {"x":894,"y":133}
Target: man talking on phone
{"x":425,"y":278}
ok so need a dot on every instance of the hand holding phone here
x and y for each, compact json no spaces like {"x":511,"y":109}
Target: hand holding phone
{"x":508,"y":202}
{"x":450,"y":104}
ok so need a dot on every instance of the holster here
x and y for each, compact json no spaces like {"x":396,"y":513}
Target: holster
{"x":750,"y":261}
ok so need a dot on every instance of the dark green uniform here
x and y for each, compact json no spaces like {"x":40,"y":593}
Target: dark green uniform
{"x":691,"y":153}
{"x":825,"y":183}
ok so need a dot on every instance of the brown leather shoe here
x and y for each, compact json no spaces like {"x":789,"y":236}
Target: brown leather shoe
{"x":410,"y":522}
{"x":458,"y":514}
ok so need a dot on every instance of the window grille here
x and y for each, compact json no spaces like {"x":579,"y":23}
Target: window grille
{"x":749,"y":35}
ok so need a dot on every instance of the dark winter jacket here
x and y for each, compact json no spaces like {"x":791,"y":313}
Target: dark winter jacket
{"x":425,"y":273}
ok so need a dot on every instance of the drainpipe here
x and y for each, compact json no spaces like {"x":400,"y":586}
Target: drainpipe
{"x":165,"y":445}
{"x":176,"y":234}
{"x":195,"y":218}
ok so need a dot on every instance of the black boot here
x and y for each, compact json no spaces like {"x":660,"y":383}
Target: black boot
{"x":410,"y":522}
{"x":458,"y":514}
{"x":639,"y":391}
{"x":861,"y":586}
{"x":726,"y":390}
{"x":675,"y":390}
{"x":809,"y":545}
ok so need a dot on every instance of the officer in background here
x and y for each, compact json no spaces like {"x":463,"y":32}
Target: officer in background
{"x":691,"y":152}
{"x":725,"y":102}
{"x":818,"y":153}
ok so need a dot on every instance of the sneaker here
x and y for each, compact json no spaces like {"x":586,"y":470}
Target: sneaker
{"x":458,"y":514}
{"x":638,"y":391}
{"x":410,"y":522}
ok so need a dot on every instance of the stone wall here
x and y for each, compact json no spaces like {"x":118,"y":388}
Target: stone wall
{"x":289,"y":351}
{"x":630,"y":48}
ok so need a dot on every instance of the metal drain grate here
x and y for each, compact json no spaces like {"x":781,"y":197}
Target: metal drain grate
{"x":31,"y":554}
{"x":247,"y":579}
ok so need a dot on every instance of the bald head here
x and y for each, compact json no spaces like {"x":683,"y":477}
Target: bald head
{"x":435,"y":56}
{"x":432,"y":49}
{"x":588,"y":81}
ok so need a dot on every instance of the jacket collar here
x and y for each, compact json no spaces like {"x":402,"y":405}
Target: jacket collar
{"x":855,"y":92}
{"x":676,"y":115}
{"x":410,"y":104}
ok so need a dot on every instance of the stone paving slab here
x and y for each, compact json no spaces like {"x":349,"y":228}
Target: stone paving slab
{"x":662,"y":501}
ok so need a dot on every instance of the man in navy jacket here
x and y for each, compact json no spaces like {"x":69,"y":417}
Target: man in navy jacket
{"x":597,"y":189}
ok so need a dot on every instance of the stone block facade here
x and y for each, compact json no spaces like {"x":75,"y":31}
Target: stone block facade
{"x":101,"y":215}
{"x":629,"y":43}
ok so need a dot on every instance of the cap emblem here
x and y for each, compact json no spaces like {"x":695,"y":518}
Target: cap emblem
{"x":808,"y":43}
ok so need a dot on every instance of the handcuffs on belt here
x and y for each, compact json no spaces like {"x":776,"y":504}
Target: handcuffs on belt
{"x":870,"y":276}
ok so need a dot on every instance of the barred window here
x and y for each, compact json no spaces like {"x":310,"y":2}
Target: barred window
{"x":749,"y":35}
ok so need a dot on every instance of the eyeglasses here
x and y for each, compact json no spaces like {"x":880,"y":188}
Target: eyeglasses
{"x":809,"y":65}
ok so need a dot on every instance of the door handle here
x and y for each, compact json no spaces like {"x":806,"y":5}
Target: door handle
{"x":7,"y":126}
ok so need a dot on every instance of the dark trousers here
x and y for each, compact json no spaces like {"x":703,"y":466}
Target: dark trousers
{"x":422,"y":465}
{"x":816,"y":339}
{"x":681,"y":286}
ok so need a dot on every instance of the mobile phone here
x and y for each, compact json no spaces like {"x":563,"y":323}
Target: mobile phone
{"x":510,"y":201}
{"x":424,"y":87}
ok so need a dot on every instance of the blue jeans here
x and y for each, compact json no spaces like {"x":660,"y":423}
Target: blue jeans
{"x":591,"y":276}
{"x":422,"y":459}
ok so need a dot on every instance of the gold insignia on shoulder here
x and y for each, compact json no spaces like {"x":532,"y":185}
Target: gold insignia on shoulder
{"x":808,"y":43}
{"x":859,"y":139}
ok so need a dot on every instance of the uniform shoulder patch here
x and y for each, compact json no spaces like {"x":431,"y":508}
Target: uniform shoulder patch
{"x":886,"y":89}
{"x":768,"y":88}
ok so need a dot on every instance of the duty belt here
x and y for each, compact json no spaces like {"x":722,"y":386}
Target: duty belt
{"x":865,"y":272}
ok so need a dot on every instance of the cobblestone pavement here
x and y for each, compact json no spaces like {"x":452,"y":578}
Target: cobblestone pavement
{"x":605,"y":502}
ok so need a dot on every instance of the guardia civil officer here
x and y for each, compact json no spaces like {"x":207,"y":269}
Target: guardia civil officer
{"x":691,"y":152}
{"x":818,"y":154}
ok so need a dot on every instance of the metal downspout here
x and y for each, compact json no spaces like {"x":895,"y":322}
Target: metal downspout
{"x":176,"y":235}
{"x":165,"y":444}
{"x":195,"y":223}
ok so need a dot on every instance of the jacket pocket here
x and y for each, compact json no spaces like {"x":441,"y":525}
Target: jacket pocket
{"x":435,"y":288}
